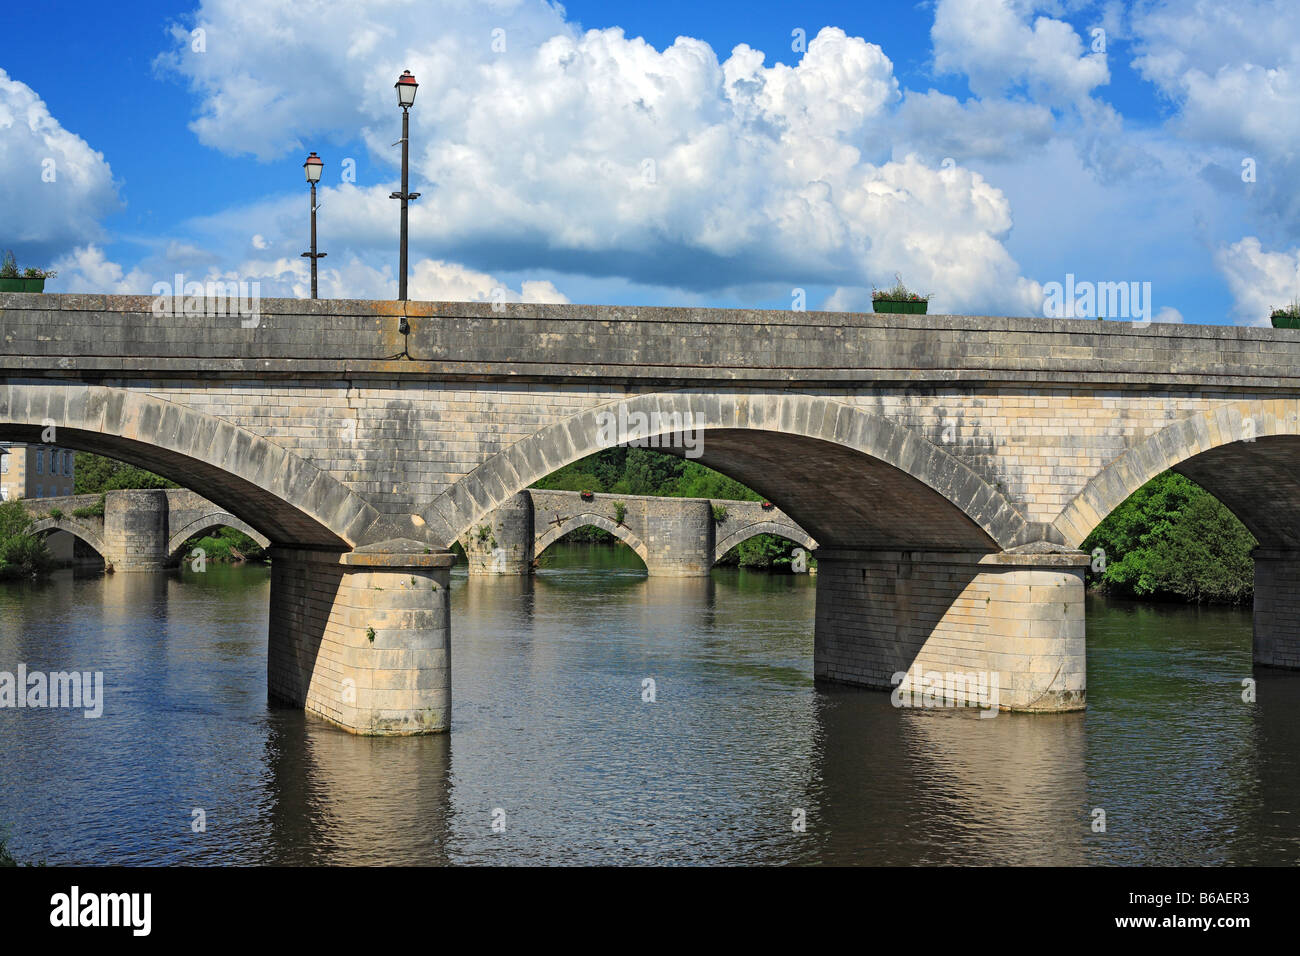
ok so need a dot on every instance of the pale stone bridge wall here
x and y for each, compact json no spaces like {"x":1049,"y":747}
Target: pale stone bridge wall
{"x":678,"y":537}
{"x":138,"y":530}
{"x":921,"y":452}
{"x":145,"y":530}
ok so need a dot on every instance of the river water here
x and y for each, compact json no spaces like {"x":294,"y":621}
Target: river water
{"x":552,"y":739}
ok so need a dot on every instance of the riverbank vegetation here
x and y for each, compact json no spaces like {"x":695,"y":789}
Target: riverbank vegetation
{"x":226,"y":545}
{"x":1171,"y":540}
{"x":21,"y":554}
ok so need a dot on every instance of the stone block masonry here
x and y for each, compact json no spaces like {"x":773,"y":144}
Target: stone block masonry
{"x":1018,"y":617}
{"x":363,"y":639}
{"x":135,"y":529}
{"x":142,"y":530}
{"x":675,"y":537}
{"x":1277,"y":608}
{"x":327,"y":430}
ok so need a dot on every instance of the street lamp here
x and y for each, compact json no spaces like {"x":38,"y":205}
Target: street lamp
{"x":313,"y":168}
{"x":406,"y":87}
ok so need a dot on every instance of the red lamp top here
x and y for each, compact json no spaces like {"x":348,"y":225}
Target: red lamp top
{"x":313,"y":168}
{"x":406,"y":87}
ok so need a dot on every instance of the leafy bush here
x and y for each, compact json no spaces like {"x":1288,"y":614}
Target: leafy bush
{"x":769,"y":551}
{"x":90,"y":511}
{"x":1173,"y":540}
{"x":227,"y":545}
{"x":899,"y":293}
{"x":21,"y":554}
{"x":9,"y":269}
{"x":1291,"y":311}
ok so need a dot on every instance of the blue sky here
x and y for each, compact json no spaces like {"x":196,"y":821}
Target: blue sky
{"x":983,"y":148}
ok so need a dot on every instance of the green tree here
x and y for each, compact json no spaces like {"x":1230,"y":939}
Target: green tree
{"x":21,"y":554}
{"x":96,"y":474}
{"x":1173,"y":540}
{"x":647,"y":472}
{"x":699,"y":481}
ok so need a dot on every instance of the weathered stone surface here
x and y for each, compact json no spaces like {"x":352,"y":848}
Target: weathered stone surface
{"x":1015,"y":621}
{"x":674,"y":537}
{"x":364,"y":642}
{"x":139,"y":530}
{"x":322,"y":428}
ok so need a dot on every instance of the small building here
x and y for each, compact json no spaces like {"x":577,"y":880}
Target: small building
{"x":36,"y":471}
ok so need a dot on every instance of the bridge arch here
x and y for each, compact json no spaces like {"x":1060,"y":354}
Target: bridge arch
{"x":553,"y":534}
{"x":1246,"y":454}
{"x":845,"y":474}
{"x":741,"y":535}
{"x":75,"y":528}
{"x":286,"y":498}
{"x":210,"y":522}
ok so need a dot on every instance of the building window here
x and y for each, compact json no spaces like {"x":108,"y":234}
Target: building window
{"x":38,"y":492}
{"x":4,"y":463}
{"x":40,"y":461}
{"x":68,"y":459}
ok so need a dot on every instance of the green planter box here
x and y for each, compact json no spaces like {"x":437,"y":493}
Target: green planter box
{"x":1281,"y":321}
{"x":906,"y":306}
{"x":21,"y":284}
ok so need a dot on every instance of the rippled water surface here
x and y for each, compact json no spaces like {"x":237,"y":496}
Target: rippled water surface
{"x":549,"y":726}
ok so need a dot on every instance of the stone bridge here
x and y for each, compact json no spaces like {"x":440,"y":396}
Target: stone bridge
{"x":949,"y":467}
{"x":678,"y":537}
{"x":136,"y":530}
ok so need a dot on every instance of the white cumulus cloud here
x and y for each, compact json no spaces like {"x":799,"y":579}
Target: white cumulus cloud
{"x":1260,"y":281}
{"x":596,"y":155}
{"x":54,"y":189}
{"x":993,"y":43}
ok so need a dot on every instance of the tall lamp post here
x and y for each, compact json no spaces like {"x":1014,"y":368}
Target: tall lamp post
{"x":313,"y":168}
{"x":406,"y":87}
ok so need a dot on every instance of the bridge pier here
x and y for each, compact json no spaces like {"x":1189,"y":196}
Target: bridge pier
{"x":363,"y":639}
{"x":679,"y":537}
{"x":135,"y":529}
{"x":1018,"y":618}
{"x":1277,"y":608}
{"x":502,"y":542}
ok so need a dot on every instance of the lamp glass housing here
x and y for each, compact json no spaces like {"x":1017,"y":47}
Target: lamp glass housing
{"x":313,"y":168}
{"x":406,"y":87}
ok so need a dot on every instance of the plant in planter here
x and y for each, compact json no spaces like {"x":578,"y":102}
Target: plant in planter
{"x":768,"y":506}
{"x":585,"y":495}
{"x":1288,"y":317}
{"x":30,"y":280}
{"x":900,"y":299}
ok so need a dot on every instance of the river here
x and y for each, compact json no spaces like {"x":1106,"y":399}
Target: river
{"x":552,"y":742}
